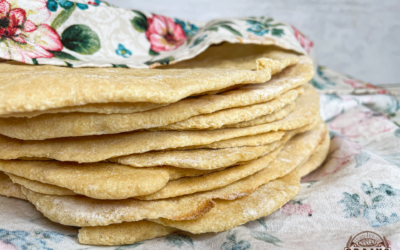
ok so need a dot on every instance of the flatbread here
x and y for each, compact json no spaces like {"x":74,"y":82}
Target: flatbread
{"x":123,"y":233}
{"x":102,"y":108}
{"x":230,"y":116}
{"x":131,"y":232}
{"x":278,"y":115}
{"x":40,"y":187}
{"x":174,"y":173}
{"x":114,"y":181}
{"x":81,"y":124}
{"x":96,"y":180}
{"x":211,"y":181}
{"x":279,"y":191}
{"x":64,"y":87}
{"x":202,"y":159}
{"x":44,"y":188}
{"x":317,"y":158}
{"x":83,"y":211}
{"x":229,"y":214}
{"x":9,"y":189}
{"x":307,"y":142}
{"x":245,"y":141}
{"x":99,"y":148}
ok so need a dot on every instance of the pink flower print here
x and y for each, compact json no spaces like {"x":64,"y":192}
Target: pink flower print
{"x":306,"y":43}
{"x":341,"y":152}
{"x":5,"y":246}
{"x":304,"y":209}
{"x":358,"y":124}
{"x":360,"y":85}
{"x":23,"y":35}
{"x":289,"y":209}
{"x":354,"y":83}
{"x":164,"y":34}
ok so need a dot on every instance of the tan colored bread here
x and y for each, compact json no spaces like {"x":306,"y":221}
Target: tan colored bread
{"x":226,"y":215}
{"x":80,"y":124}
{"x":123,"y":233}
{"x":202,"y":159}
{"x":229,"y":214}
{"x":230,"y":116}
{"x":278,"y":115}
{"x":40,"y":187}
{"x":102,"y":108}
{"x":99,"y":148}
{"x":96,"y":180}
{"x":9,"y":189}
{"x":65,"y":87}
{"x":317,"y":158}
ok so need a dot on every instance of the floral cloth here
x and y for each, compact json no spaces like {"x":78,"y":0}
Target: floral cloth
{"x":79,"y":33}
{"x":357,"y":188}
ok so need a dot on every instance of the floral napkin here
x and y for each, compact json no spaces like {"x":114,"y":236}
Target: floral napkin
{"x":357,"y":189}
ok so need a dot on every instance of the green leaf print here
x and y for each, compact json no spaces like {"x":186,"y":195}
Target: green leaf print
{"x":153,"y":53}
{"x":63,"y":55}
{"x":179,"y":239}
{"x":227,"y":25}
{"x":139,"y":22}
{"x":129,"y":246}
{"x":232,"y":30}
{"x":266,"y":237}
{"x":81,"y":39}
{"x":278,"y":32}
{"x":232,"y":244}
{"x":352,"y":205}
{"x":379,"y":205}
{"x":62,"y":17}
{"x":361,"y":158}
{"x":120,"y":66}
{"x":164,"y":61}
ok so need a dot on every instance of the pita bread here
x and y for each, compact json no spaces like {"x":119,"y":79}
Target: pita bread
{"x":80,"y":124}
{"x":202,"y":159}
{"x":123,"y":233}
{"x":131,"y":232}
{"x":40,"y":187}
{"x":229,"y":56}
{"x":83,"y":211}
{"x":64,"y":87}
{"x":9,"y":189}
{"x":114,"y":181}
{"x":278,"y":115}
{"x":317,"y":158}
{"x":229,"y":214}
{"x":224,"y":117}
{"x":43,"y":188}
{"x":262,"y":202}
{"x":307,"y":142}
{"x":102,"y":108}
{"x":211,"y":181}
{"x":174,"y":173}
{"x":96,"y":180}
{"x":99,"y":148}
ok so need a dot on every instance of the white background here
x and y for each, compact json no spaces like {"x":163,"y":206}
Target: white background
{"x":356,"y":37}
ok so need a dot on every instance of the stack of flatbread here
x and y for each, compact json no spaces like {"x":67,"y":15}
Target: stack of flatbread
{"x":130,"y":154}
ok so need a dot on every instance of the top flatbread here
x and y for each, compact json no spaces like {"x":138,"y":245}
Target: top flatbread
{"x":33,"y":88}
{"x":80,"y":124}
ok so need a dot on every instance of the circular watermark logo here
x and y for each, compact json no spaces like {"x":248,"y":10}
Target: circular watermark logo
{"x":367,"y":240}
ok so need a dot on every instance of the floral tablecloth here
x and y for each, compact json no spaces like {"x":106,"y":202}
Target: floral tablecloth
{"x":357,"y":188}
